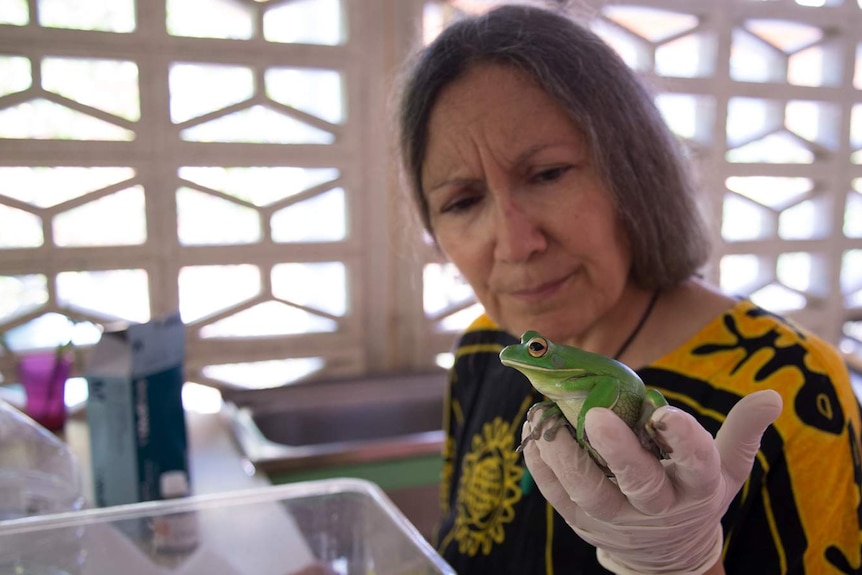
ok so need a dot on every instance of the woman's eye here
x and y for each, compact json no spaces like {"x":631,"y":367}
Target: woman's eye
{"x":459,"y":205}
{"x":551,"y":174}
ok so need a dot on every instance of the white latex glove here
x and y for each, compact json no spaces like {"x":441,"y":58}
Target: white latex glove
{"x":657,"y":516}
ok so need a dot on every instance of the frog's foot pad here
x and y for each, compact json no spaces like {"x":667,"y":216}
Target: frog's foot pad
{"x":650,"y":437}
{"x":553,"y":426}
{"x":652,"y":440}
{"x":549,"y":422}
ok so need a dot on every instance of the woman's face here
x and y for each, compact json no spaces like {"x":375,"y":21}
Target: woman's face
{"x":516,"y":204}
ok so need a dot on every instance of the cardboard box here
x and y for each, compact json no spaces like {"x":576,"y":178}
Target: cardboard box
{"x":135,"y":411}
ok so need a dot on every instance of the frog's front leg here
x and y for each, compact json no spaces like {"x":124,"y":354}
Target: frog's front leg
{"x":604,"y":393}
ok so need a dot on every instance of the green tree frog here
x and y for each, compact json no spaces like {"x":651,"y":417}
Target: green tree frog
{"x":574,"y":381}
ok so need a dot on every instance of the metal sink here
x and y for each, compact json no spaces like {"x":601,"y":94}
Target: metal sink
{"x":326,"y":423}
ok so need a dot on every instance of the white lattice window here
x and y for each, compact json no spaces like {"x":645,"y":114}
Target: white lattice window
{"x":206,"y":156}
{"x":768,"y":97}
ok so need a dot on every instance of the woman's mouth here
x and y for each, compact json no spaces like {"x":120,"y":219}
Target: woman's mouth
{"x":539,"y":292}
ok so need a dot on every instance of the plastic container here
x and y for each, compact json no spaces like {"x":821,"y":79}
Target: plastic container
{"x":343,"y":526}
{"x":38,"y":476}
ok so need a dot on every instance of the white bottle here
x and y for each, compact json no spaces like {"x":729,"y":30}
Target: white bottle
{"x":175,"y":534}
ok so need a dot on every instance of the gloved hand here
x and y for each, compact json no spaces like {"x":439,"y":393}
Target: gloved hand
{"x":655,"y":516}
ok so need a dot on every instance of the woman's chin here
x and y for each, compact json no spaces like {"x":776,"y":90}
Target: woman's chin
{"x":553,"y":330}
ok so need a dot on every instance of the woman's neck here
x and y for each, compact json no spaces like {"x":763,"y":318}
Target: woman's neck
{"x":618,"y":331}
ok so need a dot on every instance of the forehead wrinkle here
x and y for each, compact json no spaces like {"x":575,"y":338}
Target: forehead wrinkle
{"x":470,"y":142}
{"x":495,"y":154}
{"x":453,"y":166}
{"x":519,"y":160}
{"x":462,"y":151}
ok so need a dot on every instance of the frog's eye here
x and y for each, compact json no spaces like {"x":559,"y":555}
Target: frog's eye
{"x":537,"y":346}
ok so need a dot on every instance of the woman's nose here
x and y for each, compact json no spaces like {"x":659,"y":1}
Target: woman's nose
{"x":517,"y":234}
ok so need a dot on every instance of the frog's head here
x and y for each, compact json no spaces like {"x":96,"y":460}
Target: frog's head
{"x":544,"y":363}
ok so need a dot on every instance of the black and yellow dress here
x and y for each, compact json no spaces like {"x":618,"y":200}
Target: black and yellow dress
{"x":799,"y":512}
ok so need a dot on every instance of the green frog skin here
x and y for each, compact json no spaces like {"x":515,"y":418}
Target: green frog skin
{"x":574,"y":381}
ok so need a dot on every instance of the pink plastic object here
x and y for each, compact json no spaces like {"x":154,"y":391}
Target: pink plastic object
{"x":44,"y":377}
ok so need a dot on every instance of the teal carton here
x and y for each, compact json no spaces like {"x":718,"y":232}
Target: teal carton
{"x":135,"y":411}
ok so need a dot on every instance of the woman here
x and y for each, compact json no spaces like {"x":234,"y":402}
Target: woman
{"x":543,"y":171}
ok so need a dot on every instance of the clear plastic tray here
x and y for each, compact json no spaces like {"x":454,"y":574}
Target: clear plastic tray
{"x":343,"y":526}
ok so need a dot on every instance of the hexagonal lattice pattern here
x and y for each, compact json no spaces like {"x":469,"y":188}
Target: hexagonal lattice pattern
{"x":225,"y":191}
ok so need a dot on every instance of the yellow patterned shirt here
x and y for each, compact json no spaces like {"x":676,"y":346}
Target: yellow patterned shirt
{"x":799,"y":511}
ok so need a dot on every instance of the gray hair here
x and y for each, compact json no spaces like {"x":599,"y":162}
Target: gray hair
{"x":634,"y":152}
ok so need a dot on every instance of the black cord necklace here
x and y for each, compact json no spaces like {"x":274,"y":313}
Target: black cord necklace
{"x":639,"y":326}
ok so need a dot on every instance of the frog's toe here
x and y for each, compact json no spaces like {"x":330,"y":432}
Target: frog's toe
{"x":543,"y":405}
{"x":653,"y":441}
{"x":596,"y":457}
{"x":600,"y":461}
{"x":648,"y":429}
{"x":552,"y":424}
{"x":549,"y":411}
{"x":532,"y":436}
